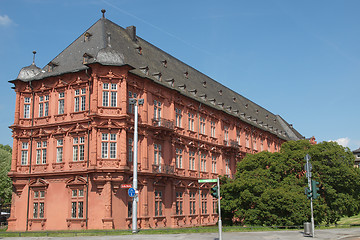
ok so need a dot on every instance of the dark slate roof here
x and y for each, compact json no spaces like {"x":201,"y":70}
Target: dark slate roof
{"x":109,"y":44}
{"x":357,"y":150}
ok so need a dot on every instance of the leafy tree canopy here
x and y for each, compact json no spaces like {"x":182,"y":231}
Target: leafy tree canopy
{"x":5,"y":181}
{"x":268,"y":188}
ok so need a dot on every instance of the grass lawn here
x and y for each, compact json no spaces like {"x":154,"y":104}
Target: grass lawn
{"x":350,"y":220}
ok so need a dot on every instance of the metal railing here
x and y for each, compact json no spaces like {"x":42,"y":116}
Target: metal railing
{"x":162,"y":122}
{"x":163,"y":168}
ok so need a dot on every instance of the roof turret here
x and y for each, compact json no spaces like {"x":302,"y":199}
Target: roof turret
{"x":109,"y":56}
{"x":27,"y":73}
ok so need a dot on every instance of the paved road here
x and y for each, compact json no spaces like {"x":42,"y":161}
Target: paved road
{"x":329,"y":234}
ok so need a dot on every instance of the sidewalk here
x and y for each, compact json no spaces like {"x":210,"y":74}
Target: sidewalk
{"x":328,"y":234}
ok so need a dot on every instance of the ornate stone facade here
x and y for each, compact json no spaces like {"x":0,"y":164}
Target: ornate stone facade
{"x":73,"y":146}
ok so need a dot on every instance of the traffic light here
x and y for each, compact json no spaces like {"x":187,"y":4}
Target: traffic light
{"x":214,"y":192}
{"x":308,"y":193}
{"x":315,"y":189}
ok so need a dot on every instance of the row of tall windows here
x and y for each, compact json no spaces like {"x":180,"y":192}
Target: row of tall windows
{"x":43,"y":107}
{"x":203,"y":162}
{"x":78,"y":204}
{"x":42,"y":153}
{"x":202,"y":130}
{"x":76,"y":200}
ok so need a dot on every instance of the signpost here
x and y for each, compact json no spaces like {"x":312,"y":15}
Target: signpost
{"x":218,"y":197}
{"x":135,"y":102}
{"x":131,"y":192}
{"x":206,"y":180}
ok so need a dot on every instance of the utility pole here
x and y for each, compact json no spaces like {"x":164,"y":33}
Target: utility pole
{"x":135,"y":102}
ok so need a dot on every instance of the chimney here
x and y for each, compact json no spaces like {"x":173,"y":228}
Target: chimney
{"x":131,"y":30}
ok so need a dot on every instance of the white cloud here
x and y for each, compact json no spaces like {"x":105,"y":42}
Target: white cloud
{"x":342,"y":141}
{"x":5,"y":20}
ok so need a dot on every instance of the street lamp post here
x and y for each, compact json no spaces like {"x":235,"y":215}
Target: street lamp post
{"x":135,"y":102}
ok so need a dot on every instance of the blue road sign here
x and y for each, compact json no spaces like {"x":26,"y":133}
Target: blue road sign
{"x":131,"y":192}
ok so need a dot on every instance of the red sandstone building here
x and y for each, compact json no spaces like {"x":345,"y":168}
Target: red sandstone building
{"x":73,"y":136}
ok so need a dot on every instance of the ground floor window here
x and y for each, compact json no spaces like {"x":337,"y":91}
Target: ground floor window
{"x":192,"y":201}
{"x":130,"y":204}
{"x":203,"y":202}
{"x":214,"y":205}
{"x":179,"y":203}
{"x":158,"y":203}
{"x":77,"y":203}
{"x":38,"y":203}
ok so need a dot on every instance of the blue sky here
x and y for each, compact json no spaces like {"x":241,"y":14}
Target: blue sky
{"x":298,"y":59}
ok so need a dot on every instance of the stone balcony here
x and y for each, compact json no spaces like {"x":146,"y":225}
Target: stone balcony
{"x":163,"y":168}
{"x":163,"y":123}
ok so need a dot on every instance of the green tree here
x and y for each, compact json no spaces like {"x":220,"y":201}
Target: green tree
{"x":268,"y":188}
{"x":5,"y":181}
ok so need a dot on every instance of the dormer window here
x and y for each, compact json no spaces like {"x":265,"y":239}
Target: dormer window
{"x":204,"y":84}
{"x":234,"y":99}
{"x":182,"y":87}
{"x":212,"y":101}
{"x":86,"y":58}
{"x":220,"y":104}
{"x":220,"y":92}
{"x":246,"y":105}
{"x":203,"y":96}
{"x":52,"y":66}
{"x":194,"y":91}
{"x":186,"y":74}
{"x":87,"y":36}
{"x":145,"y":70}
{"x":164,"y":63}
{"x":157,"y":75}
{"x":170,"y":81}
{"x":139,"y":50}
